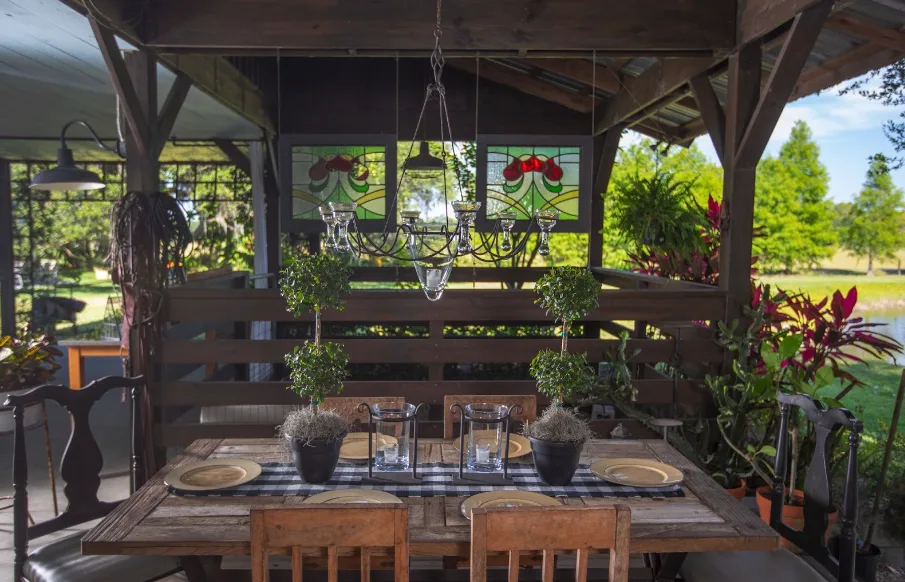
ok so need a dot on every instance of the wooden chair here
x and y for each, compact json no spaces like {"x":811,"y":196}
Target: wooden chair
{"x":297,"y":529}
{"x":784,"y":566}
{"x":62,"y":560}
{"x":348,"y":407}
{"x":528,"y":402}
{"x":547,"y":529}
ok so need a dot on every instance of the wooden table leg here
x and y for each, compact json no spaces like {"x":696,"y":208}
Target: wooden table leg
{"x":194,"y":569}
{"x":668,"y":566}
{"x":76,"y":363}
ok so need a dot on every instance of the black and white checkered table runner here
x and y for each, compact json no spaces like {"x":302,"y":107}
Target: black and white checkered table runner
{"x":279,"y":480}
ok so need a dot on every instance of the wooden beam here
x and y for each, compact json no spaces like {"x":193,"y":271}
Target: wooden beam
{"x":890,"y":38}
{"x":213,"y":75}
{"x":712,"y":114}
{"x":467,"y":24}
{"x":756,"y":18}
{"x":541,"y":89}
{"x":123,"y":86}
{"x":606,"y":147}
{"x":789,"y":64}
{"x":235,"y":156}
{"x":649,"y":88}
{"x":142,"y":167}
{"x":579,"y":70}
{"x":221,"y":80}
{"x":170,"y":111}
{"x":738,"y":181}
{"x":7,"y":259}
{"x":854,"y":63}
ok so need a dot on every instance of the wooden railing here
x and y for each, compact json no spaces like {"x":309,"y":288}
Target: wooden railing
{"x":185,"y":308}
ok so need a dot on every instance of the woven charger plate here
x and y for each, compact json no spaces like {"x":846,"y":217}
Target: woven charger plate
{"x":519,"y":446}
{"x":637,"y":472}
{"x":212,"y":474}
{"x":507,"y":499}
{"x":353,"y":496}
{"x":355,"y":445}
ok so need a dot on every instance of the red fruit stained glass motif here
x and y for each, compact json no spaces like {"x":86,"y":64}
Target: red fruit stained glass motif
{"x":524,"y":179}
{"x":323,"y":174}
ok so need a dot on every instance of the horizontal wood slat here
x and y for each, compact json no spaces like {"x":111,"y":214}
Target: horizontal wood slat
{"x":655,"y":391}
{"x":381,"y":351}
{"x":183,"y":434}
{"x":195,"y":305}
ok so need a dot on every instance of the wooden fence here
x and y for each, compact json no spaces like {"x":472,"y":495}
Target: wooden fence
{"x":649,"y":300}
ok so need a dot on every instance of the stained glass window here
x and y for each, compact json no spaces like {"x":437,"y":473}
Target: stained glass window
{"x":339,"y":173}
{"x":525,"y":179}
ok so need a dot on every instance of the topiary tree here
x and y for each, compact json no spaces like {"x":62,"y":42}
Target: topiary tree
{"x":567,"y":293}
{"x":311,"y":284}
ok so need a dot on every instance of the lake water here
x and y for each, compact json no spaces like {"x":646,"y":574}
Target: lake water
{"x":895,"y":324}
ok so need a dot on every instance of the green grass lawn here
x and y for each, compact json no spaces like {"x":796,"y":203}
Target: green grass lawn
{"x":873,"y":292}
{"x":875,"y":401}
{"x":94,"y":293}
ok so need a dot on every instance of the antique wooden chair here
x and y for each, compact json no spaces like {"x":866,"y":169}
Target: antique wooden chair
{"x":316,"y":527}
{"x":783,"y":565}
{"x":528,"y":402}
{"x":347,"y":407}
{"x":547,"y":529}
{"x":62,"y":560}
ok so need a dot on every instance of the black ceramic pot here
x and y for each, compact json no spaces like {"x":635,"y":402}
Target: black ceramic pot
{"x":555,"y":462}
{"x":316,"y":460}
{"x":866,"y":559}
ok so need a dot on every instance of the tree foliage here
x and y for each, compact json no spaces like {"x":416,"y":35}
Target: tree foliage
{"x":791,"y":206}
{"x":874,"y":226}
{"x":313,"y":283}
{"x":890,"y":92}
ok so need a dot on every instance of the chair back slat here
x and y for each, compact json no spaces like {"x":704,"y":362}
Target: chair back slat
{"x":80,"y":467}
{"x":818,"y":501}
{"x":329,"y":527}
{"x":528,"y":402}
{"x":547,"y":529}
{"x":347,"y":407}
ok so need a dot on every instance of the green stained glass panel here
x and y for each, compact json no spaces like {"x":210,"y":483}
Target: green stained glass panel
{"x":525,"y":179}
{"x":344,"y":173}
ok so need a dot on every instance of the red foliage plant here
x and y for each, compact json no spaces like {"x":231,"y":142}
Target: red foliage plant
{"x":700,"y":263}
{"x":830,"y":335}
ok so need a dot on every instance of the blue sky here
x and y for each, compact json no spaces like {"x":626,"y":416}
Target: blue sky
{"x":848,"y":129}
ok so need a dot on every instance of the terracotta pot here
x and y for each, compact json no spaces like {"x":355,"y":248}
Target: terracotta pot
{"x":792,"y":515}
{"x":739,"y":492}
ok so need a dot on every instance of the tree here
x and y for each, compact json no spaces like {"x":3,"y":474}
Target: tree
{"x":891,"y":93}
{"x":875,"y":227}
{"x":791,"y":205}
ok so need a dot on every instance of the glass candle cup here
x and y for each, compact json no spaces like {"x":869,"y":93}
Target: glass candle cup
{"x":486,"y":439}
{"x":393,"y":443}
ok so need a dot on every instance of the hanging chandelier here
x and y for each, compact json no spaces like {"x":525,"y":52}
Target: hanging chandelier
{"x":433,"y":247}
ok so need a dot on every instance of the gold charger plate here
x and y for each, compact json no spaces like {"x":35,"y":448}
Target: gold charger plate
{"x":212,"y":474}
{"x":637,"y":472}
{"x":353,"y":496}
{"x":519,"y":446}
{"x":355,"y":445}
{"x":507,"y":499}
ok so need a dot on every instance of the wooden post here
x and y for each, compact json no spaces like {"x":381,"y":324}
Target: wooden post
{"x":257,"y":160}
{"x":7,"y":268}
{"x":606,"y":146}
{"x":142,"y":168}
{"x":750,"y":119}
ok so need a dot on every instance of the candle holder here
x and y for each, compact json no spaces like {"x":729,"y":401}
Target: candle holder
{"x":484,"y":414}
{"x":407,"y":418}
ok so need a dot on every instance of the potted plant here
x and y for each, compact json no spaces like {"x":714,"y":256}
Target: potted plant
{"x":558,"y":436}
{"x":314,"y":436}
{"x":658,"y":211}
{"x":27,"y":361}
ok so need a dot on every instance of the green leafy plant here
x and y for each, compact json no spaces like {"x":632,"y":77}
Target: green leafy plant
{"x":311,"y":284}
{"x":657,"y":210}
{"x":568,"y":293}
{"x":26,"y":361}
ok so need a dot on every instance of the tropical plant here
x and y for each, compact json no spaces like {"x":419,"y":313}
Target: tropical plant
{"x":313,"y":283}
{"x":27,"y":361}
{"x":658,"y":210}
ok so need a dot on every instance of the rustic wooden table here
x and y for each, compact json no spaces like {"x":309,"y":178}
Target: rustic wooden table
{"x":156,"y":522}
